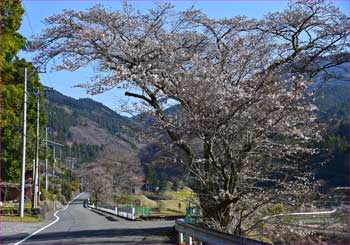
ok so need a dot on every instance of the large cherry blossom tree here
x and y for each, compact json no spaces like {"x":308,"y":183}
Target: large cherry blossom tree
{"x":245,"y":125}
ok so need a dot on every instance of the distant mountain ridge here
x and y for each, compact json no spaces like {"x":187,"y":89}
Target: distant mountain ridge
{"x":88,"y":126}
{"x":90,"y":109}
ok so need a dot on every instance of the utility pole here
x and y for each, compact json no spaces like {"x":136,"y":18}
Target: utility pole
{"x":24,"y":139}
{"x":54,"y":153}
{"x":59,"y":166}
{"x":46,"y":163}
{"x":33,"y":172}
{"x":54,"y":161}
{"x":36,"y":179}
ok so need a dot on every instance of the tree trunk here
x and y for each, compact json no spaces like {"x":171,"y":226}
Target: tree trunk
{"x":217,"y":214}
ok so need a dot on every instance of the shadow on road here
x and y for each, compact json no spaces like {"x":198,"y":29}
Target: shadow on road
{"x":79,"y":201}
{"x":107,"y":216}
{"x":102,"y":236}
{"x":110,"y":218}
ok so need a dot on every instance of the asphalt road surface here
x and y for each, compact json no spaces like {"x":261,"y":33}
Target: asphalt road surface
{"x":79,"y":225}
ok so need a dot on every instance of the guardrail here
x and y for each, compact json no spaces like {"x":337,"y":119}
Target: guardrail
{"x":191,"y":233}
{"x":301,"y":214}
{"x":133,"y":212}
{"x":305,"y":218}
{"x":125,"y":212}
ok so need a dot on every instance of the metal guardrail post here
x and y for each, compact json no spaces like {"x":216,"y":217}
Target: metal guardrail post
{"x":181,"y":238}
{"x":190,"y":240}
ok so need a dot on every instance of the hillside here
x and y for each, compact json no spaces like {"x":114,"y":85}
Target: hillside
{"x":88,"y":127}
{"x":91,"y":131}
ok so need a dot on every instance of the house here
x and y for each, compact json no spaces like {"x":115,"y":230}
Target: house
{"x":12,"y":191}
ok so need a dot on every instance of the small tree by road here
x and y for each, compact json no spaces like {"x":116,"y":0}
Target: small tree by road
{"x":114,"y":174}
{"x":97,"y":183}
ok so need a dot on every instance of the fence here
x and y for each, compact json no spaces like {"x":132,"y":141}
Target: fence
{"x":126,"y":211}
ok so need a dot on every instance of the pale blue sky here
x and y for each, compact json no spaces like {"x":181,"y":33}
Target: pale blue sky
{"x":63,"y":81}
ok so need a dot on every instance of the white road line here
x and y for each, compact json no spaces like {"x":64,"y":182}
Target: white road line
{"x":48,"y":225}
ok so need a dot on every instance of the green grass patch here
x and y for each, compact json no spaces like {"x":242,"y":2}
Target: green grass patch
{"x":29,"y":219}
{"x":12,"y":210}
{"x":253,"y":235}
{"x":163,"y":206}
{"x":172,"y":206}
{"x":175,"y":201}
{"x":185,"y":193}
{"x":130,"y":199}
{"x":15,"y":205}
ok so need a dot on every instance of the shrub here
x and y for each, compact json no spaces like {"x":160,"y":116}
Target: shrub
{"x":67,"y":190}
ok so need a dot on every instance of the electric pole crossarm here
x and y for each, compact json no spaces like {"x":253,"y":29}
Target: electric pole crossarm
{"x":53,"y":143}
{"x":54,"y":152}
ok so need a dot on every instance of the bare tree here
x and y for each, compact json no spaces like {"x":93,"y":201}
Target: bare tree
{"x":241,"y":84}
{"x":113,"y":174}
{"x":97,"y":183}
{"x":124,"y":168}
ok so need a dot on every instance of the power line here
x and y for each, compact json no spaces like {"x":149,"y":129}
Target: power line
{"x":28,"y":19}
{"x":26,"y":13}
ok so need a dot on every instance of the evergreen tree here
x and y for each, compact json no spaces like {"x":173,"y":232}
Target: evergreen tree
{"x":10,"y":40}
{"x":151,"y":177}
{"x":165,"y":184}
{"x":12,"y":77}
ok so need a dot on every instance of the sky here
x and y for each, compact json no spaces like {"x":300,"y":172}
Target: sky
{"x":64,"y":81}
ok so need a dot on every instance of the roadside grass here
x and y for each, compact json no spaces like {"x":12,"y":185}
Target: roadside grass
{"x":13,"y":205}
{"x":163,"y":206}
{"x":130,"y":199}
{"x":29,"y":219}
{"x":185,"y":193}
{"x":173,"y":206}
{"x":175,"y":202}
{"x":255,"y":236}
{"x":12,"y":209}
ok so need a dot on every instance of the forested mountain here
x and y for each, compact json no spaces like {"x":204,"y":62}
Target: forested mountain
{"x":86,"y":127}
{"x":74,"y":111}
{"x":89,"y":129}
{"x":333,"y":101}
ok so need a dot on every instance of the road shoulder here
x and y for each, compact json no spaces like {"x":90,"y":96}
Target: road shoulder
{"x":11,"y":232}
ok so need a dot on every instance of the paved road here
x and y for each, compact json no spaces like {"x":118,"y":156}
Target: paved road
{"x":79,"y":225}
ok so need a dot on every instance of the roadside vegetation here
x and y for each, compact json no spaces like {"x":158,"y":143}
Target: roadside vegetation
{"x":26,"y":218}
